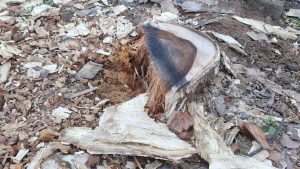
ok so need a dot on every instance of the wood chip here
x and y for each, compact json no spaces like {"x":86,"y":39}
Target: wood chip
{"x":88,"y":71}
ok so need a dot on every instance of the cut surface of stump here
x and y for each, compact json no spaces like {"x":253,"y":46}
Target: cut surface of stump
{"x":173,"y":58}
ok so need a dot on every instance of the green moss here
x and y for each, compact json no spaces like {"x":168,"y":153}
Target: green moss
{"x":269,"y":126}
{"x":292,"y":21}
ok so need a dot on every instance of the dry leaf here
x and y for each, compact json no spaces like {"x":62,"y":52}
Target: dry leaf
{"x":180,"y":122}
{"x":289,"y":143}
{"x":93,"y":161}
{"x":48,"y":135}
{"x":255,"y":132}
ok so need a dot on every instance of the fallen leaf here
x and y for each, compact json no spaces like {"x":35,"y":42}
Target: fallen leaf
{"x":2,"y":139}
{"x":48,"y":135}
{"x":93,"y":161}
{"x":255,"y":132}
{"x":289,"y":143}
{"x":180,"y":122}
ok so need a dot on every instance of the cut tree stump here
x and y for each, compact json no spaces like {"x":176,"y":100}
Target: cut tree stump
{"x":175,"y":62}
{"x":172,"y":59}
{"x":178,"y":63}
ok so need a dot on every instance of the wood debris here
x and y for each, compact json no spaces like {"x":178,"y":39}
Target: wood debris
{"x":254,"y":131}
{"x":120,"y":132}
{"x":163,"y":76}
{"x":267,"y":28}
{"x":212,"y":147}
{"x":88,"y":71}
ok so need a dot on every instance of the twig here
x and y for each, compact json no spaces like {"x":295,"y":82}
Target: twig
{"x":137,"y":163}
{"x":72,"y":96}
{"x":91,"y":108}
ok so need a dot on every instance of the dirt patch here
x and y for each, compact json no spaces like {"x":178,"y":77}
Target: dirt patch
{"x":280,"y":57}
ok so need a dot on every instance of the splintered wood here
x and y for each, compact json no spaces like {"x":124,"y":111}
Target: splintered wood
{"x":171,"y":58}
{"x":211,"y":146}
{"x":175,"y":62}
{"x":127,"y":129}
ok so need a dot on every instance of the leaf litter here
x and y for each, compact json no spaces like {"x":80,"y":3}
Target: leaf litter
{"x":43,"y":50}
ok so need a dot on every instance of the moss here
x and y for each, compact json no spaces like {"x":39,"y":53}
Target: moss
{"x":292,"y":21}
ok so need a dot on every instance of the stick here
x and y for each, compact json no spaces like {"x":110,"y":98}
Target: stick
{"x":72,"y":96}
